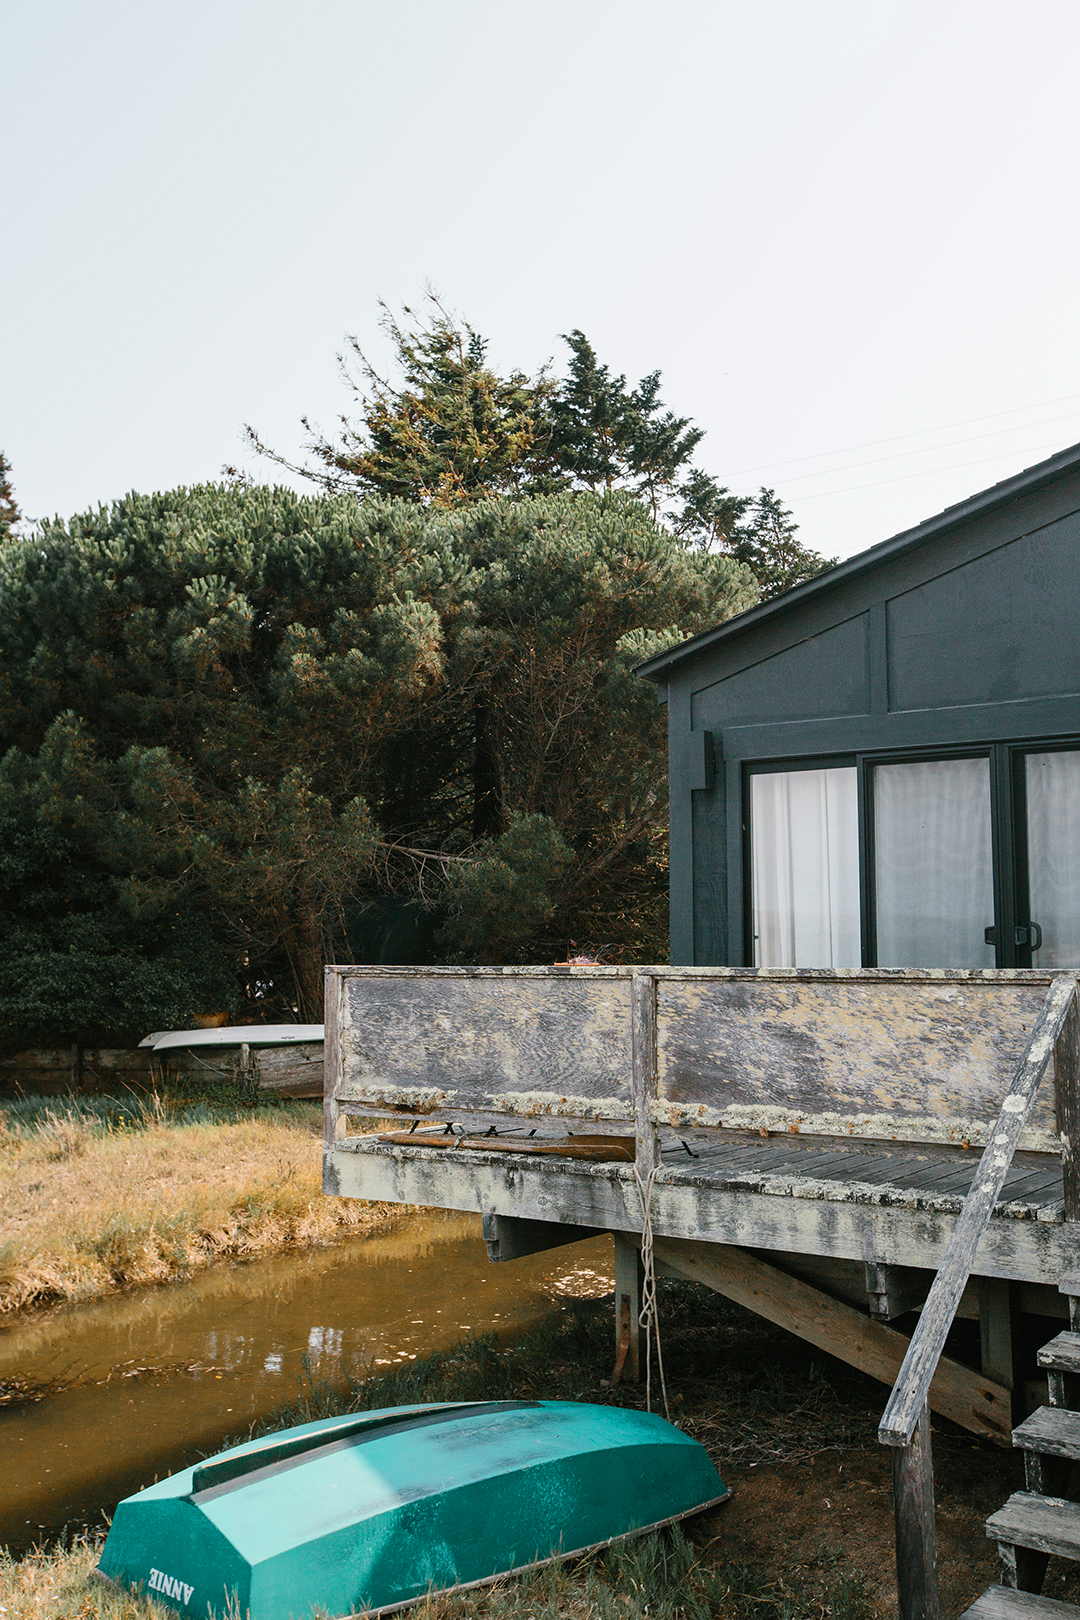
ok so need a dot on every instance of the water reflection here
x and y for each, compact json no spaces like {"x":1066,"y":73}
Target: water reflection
{"x":156,"y":1378}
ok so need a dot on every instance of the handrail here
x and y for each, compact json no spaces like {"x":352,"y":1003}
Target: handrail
{"x":912,"y":1387}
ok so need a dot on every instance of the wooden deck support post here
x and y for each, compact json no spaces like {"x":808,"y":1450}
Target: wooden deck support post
{"x":629,"y":1273}
{"x":996,"y":1329}
{"x":916,"y":1541}
{"x":510,"y":1237}
{"x":629,"y":1277}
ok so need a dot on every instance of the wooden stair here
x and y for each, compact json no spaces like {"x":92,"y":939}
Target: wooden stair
{"x":1040,"y":1522}
{"x":1003,"y":1603}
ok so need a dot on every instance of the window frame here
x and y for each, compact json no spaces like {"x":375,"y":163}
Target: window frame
{"x":1008,"y":830}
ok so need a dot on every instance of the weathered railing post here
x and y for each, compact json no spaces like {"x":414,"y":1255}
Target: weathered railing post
{"x":916,"y":1542}
{"x":1067,"y":1098}
{"x":643,"y":1037}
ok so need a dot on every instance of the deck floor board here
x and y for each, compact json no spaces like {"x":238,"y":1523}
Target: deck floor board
{"x":905,"y":1175}
{"x":914,"y":1171}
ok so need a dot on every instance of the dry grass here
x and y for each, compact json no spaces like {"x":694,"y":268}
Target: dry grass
{"x":92,"y":1206}
{"x":55,"y":1586}
{"x":657,"y":1577}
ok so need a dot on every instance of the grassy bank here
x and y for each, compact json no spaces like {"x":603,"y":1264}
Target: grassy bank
{"x":807,"y":1535}
{"x":655,"y":1578}
{"x":100,"y":1194}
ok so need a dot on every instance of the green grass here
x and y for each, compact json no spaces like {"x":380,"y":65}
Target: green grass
{"x":94,"y":1115}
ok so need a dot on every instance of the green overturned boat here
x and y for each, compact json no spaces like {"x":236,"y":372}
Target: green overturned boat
{"x":371,"y":1511}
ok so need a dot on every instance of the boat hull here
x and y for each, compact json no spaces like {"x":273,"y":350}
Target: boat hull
{"x":371,"y":1512}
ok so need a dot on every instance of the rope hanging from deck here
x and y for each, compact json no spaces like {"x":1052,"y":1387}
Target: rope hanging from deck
{"x":649,"y":1318}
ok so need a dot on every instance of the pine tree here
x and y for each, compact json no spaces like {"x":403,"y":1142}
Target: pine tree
{"x":605,"y":435}
{"x":452,"y":432}
{"x":9,"y":511}
{"x":766,"y":543}
{"x":756,"y":530}
{"x":233,"y":721}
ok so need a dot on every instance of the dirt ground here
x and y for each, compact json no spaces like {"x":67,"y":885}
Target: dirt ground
{"x":794,"y":1433}
{"x":809,"y":1522}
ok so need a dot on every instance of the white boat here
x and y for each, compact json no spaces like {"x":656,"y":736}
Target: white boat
{"x":236,"y":1035}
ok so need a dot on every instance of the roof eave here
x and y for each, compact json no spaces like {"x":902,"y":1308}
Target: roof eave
{"x":1056,"y":466}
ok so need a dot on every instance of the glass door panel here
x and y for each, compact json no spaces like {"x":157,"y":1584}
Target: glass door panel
{"x":933,"y":874}
{"x":804,"y":844}
{"x":1053,"y":851}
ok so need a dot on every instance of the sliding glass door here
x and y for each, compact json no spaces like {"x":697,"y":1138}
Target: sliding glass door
{"x":1051,"y":915}
{"x":933,"y":869}
{"x":956,"y":862}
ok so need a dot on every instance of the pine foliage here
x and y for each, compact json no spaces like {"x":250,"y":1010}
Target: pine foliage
{"x":451,"y":432}
{"x":9,"y":511}
{"x":232,"y":717}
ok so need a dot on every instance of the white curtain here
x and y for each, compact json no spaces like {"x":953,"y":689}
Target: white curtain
{"x":1053,"y":816}
{"x":932,"y":864}
{"x":804,"y":851}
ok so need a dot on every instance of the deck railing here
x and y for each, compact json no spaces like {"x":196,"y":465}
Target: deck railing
{"x":905,"y":1424}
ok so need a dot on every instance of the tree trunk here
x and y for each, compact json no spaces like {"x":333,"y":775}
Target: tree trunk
{"x":487,"y":799}
{"x":302,"y":937}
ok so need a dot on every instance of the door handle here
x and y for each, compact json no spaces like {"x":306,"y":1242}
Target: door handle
{"x":1021,"y":935}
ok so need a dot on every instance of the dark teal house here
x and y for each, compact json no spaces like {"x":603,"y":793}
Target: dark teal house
{"x":881,"y":768}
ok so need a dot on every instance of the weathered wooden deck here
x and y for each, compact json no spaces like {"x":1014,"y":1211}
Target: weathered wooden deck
{"x":825,"y":1127}
{"x":833,"y":1150}
{"x":832,"y":1122}
{"x":893,"y":1204}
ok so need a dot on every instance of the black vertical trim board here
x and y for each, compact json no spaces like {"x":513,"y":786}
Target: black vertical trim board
{"x":681,"y":844}
{"x":866,"y":862}
{"x":709,"y":833}
{"x":738,"y":865}
{"x":1002,"y":852}
{"x":1021,"y":876}
{"x":701,"y":762}
{"x":748,"y":958}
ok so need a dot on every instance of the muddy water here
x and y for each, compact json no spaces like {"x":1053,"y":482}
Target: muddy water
{"x":146,"y":1383}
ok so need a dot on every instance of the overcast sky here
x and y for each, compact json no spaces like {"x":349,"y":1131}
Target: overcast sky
{"x":846,"y":230}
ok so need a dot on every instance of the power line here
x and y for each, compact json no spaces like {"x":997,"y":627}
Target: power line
{"x":928,"y":449}
{"x":928,"y":472}
{"x":871,"y":444}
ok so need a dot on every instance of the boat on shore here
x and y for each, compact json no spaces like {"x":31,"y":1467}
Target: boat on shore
{"x":283,"y":1059}
{"x":369,"y":1512}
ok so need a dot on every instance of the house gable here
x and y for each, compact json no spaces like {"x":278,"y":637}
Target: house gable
{"x":961,"y":634}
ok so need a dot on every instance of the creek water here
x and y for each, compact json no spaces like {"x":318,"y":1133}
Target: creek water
{"x":142,"y":1384}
